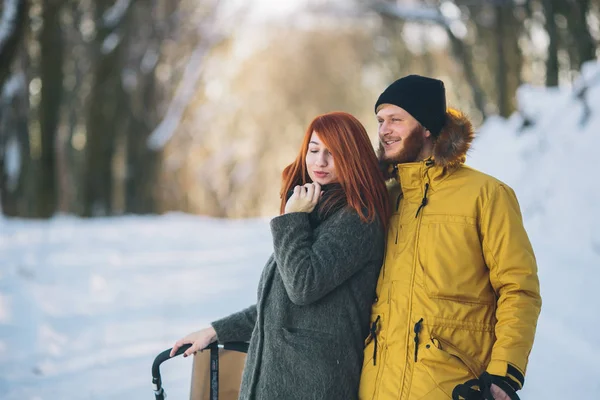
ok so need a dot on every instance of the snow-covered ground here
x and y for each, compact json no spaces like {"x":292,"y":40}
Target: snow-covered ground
{"x":85,"y":305}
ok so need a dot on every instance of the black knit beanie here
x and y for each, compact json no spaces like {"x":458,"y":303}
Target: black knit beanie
{"x":423,"y":98}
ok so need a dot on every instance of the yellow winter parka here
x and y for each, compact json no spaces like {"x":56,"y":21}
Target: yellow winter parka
{"x":458,"y":293}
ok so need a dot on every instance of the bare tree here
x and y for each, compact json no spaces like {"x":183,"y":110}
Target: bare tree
{"x":508,"y":55}
{"x":14,"y":138}
{"x":153,"y":126}
{"x":584,"y":42}
{"x":51,"y":74}
{"x":552,"y":60}
{"x":12,"y":26}
{"x":106,"y":107}
{"x":143,"y":100}
{"x":15,"y":195}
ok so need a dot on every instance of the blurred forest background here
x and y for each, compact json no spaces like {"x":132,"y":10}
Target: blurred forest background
{"x":113,"y":107}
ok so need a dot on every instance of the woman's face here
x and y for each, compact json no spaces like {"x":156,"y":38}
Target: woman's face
{"x":319,"y":162}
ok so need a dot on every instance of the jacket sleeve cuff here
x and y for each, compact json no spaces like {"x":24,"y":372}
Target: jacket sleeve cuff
{"x":292,"y":221}
{"x":223,"y":330}
{"x":512,"y":374}
{"x":237,"y":327}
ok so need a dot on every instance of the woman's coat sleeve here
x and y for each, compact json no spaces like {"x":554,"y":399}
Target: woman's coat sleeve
{"x":311,"y":268}
{"x":237,"y":327}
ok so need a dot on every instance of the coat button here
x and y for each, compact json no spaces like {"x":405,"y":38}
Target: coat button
{"x":376,"y":299}
{"x":428,"y":346}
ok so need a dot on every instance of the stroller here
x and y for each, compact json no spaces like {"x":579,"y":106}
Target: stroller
{"x":159,"y":392}
{"x":475,"y":389}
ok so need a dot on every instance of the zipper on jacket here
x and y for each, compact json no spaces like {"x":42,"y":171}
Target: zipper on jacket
{"x":417,"y":330}
{"x":398,"y":205}
{"x":373,"y":332}
{"x":412,"y":294}
{"x":424,"y":200}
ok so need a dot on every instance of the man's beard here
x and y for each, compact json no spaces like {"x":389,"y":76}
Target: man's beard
{"x":410,"y":152}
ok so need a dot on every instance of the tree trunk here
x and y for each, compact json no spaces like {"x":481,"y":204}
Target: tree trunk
{"x":143,"y":162}
{"x":501,"y":69}
{"x":552,"y":60}
{"x":586,"y":46}
{"x":463,"y":57}
{"x":104,"y":118}
{"x":14,"y":106}
{"x":15,"y":162}
{"x":509,"y":58}
{"x":51,"y":73}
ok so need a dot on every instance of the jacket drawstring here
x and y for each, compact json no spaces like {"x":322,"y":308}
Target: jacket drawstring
{"x":417,"y":330}
{"x":373,"y":332}
{"x":424,"y":201}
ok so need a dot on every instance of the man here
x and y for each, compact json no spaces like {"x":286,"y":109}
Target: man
{"x":458,"y":295}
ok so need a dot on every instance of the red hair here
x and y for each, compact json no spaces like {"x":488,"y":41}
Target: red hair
{"x":356,"y":165}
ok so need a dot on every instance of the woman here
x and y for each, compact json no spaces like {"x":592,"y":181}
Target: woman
{"x":308,"y":326}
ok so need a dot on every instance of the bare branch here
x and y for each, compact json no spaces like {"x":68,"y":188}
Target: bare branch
{"x":12,"y":23}
{"x":115,"y":14}
{"x":187,"y":86}
{"x":184,"y":94}
{"x":8,"y":22}
{"x":418,"y":14}
{"x":12,"y":86}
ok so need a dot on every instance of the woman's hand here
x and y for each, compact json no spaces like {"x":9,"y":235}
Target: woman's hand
{"x":304,"y":199}
{"x":199,"y":340}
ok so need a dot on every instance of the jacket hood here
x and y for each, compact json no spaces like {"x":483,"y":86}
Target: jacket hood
{"x":454,"y":141}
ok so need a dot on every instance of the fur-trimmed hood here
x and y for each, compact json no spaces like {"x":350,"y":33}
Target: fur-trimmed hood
{"x":454,"y":141}
{"x":450,"y":147}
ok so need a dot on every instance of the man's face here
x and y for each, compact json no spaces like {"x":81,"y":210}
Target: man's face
{"x":401,"y":137}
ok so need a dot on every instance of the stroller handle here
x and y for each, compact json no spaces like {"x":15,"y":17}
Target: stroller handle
{"x":214,"y":347}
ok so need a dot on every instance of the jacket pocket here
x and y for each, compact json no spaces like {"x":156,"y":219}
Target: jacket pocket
{"x":317,"y":365}
{"x":437,"y":372}
{"x":445,"y":346}
{"x":452,"y":261}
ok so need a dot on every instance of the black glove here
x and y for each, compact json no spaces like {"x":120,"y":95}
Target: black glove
{"x":479,"y":389}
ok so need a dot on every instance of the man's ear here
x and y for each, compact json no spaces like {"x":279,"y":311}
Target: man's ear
{"x":426,"y":133}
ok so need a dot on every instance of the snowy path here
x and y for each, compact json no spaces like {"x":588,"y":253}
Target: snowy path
{"x":86,"y":306}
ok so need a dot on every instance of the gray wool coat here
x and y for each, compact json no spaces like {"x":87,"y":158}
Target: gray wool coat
{"x":308,"y":327}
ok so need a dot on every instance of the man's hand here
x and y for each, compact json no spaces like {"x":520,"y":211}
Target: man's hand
{"x":304,"y":199}
{"x":498,"y":393}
